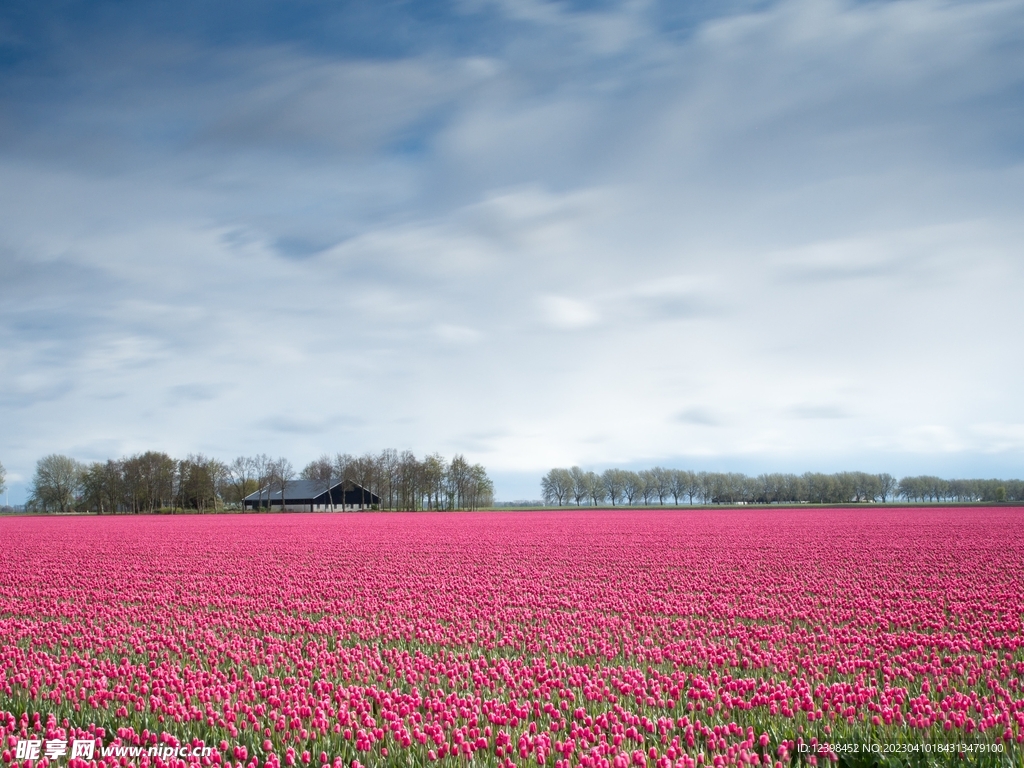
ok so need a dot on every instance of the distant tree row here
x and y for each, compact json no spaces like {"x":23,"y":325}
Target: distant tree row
{"x":929,"y":488}
{"x":154,"y":481}
{"x":404,"y":482}
{"x":662,"y":486}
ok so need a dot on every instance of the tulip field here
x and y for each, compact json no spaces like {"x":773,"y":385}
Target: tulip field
{"x":601,"y":639}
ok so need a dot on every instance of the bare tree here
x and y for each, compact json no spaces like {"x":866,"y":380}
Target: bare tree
{"x":262,"y":467}
{"x":282,"y":474}
{"x":366,"y":472}
{"x":387,"y":463}
{"x":322,"y":472}
{"x":3,"y":479}
{"x":240,"y":474}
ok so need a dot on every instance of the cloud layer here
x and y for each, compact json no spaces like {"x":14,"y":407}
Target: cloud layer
{"x":765,"y":235}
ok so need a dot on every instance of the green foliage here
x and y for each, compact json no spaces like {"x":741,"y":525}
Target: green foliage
{"x":658,"y":485}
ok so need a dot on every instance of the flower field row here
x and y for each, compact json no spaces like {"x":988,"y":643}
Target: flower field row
{"x":596,"y":639}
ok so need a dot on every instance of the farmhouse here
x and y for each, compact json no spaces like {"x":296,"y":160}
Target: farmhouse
{"x":312,"y":496}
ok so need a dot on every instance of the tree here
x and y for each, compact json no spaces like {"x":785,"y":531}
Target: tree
{"x":366,"y":472}
{"x":695,"y":484}
{"x":200,"y":480}
{"x":613,"y":484}
{"x":262,"y":471}
{"x":282,"y":474}
{"x":148,"y":480}
{"x":103,"y":487}
{"x":344,"y":466}
{"x":821,"y":488}
{"x":578,"y":485}
{"x":648,"y":485}
{"x":768,"y":486}
{"x":56,"y":483}
{"x":409,"y":481}
{"x":319,"y":470}
{"x":662,"y":483}
{"x":240,"y":478}
{"x":480,"y":489}
{"x":595,"y":488}
{"x":886,"y":486}
{"x":434,"y":467}
{"x":912,"y":488}
{"x":322,"y":472}
{"x":705,"y":486}
{"x":3,"y":479}
{"x":677,"y":484}
{"x":556,"y":486}
{"x":632,"y":486}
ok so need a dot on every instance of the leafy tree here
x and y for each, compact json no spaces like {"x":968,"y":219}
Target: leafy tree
{"x":886,"y":486}
{"x":648,"y":485}
{"x":241,"y":479}
{"x":556,"y":486}
{"x":200,"y":480}
{"x":677,"y":484}
{"x":614,"y":482}
{"x":407,"y":481}
{"x":779,"y":488}
{"x":432,"y":477}
{"x":148,"y":480}
{"x":103,"y":487}
{"x":480,"y":489}
{"x":632,"y":486}
{"x":595,"y":488}
{"x":661,"y":483}
{"x":56,"y":483}
{"x":578,"y":485}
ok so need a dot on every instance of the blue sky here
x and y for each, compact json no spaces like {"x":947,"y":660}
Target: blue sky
{"x":745,"y":236}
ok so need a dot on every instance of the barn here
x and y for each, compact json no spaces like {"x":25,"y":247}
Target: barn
{"x":313,"y":496}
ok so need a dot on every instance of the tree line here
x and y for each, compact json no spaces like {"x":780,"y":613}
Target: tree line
{"x":154,"y":481}
{"x":662,"y":486}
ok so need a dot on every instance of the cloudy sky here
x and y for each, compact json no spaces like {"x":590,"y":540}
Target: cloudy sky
{"x":717,"y":235}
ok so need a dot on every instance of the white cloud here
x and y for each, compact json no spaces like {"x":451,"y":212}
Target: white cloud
{"x":568,"y":314}
{"x":787,"y":237}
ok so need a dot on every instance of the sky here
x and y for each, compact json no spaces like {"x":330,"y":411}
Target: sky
{"x":744,"y":236}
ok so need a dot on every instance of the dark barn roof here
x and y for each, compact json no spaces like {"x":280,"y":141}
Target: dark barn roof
{"x":314,"y":492}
